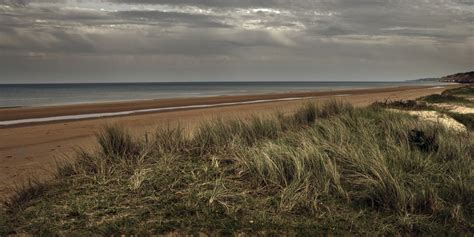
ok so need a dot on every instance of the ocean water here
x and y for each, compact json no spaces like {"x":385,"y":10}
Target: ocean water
{"x":14,"y":95}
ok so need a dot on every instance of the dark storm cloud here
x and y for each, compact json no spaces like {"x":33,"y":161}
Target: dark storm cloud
{"x":308,"y":36}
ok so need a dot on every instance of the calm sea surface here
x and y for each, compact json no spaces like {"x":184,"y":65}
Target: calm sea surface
{"x":12,"y":95}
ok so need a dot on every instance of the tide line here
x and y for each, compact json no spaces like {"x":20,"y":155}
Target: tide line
{"x":130,"y":112}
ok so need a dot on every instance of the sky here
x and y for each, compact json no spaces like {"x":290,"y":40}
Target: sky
{"x":44,"y":41}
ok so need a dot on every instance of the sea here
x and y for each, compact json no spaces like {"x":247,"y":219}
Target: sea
{"x":21,"y":95}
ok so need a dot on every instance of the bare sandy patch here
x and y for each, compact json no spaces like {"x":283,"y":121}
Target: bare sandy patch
{"x":437,"y":118}
{"x":455,"y":108}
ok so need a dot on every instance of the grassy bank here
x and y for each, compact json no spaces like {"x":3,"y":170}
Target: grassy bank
{"x":458,"y":96}
{"x":447,"y":98}
{"x":330,"y":169}
{"x":461,"y":91}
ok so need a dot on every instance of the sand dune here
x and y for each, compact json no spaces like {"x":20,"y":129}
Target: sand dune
{"x":435,"y":117}
{"x":30,"y":150}
{"x":455,"y":108}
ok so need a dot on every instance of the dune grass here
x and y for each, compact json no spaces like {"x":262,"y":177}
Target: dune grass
{"x":466,"y":119}
{"x":460,"y":91}
{"x":413,"y":105}
{"x":455,"y":96}
{"x":330,"y":169}
{"x":458,"y":95}
{"x":447,"y":98}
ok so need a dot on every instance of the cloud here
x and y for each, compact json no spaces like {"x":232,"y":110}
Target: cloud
{"x":171,"y":18}
{"x":271,"y":33}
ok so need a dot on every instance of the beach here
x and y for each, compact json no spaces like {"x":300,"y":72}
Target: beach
{"x":236,"y":118}
{"x":31,"y":150}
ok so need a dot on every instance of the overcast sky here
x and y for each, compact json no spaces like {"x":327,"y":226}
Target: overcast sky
{"x":190,"y":40}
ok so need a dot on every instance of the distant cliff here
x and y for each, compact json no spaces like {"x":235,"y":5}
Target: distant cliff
{"x":465,"y":77}
{"x":427,"y":79}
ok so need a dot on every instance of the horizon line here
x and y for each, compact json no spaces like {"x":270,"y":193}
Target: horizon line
{"x":150,"y":82}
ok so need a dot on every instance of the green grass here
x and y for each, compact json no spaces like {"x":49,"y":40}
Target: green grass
{"x":461,"y":91}
{"x":331,"y":169}
{"x":446,"y":98}
{"x":404,"y":105}
{"x":466,"y":119}
{"x":456,"y":96}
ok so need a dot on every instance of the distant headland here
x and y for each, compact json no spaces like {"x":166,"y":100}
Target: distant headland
{"x":463,"y":77}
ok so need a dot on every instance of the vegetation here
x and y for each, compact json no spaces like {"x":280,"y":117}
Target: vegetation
{"x":447,"y":98}
{"x":466,"y":93}
{"x":330,"y":169}
{"x":460,"y":95}
{"x":464,"y":77}
{"x":455,"y":96}
{"x":460,"y":91}
{"x":404,"y":105}
{"x":466,"y":119}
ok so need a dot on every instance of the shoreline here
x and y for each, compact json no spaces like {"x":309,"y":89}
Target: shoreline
{"x":19,"y":116}
{"x":189,"y":95}
{"x":142,"y":111}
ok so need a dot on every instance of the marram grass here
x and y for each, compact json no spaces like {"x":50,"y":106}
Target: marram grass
{"x":329,"y":169}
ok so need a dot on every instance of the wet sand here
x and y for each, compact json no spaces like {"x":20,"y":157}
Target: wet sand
{"x":31,"y":150}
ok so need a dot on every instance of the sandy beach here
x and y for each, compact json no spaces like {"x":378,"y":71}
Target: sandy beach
{"x":31,"y":150}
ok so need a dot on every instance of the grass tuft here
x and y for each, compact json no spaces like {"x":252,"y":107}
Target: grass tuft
{"x":171,"y":140}
{"x":424,"y":142}
{"x":333,"y":108}
{"x":25,"y":193}
{"x":306,"y":115}
{"x":116,"y":142}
